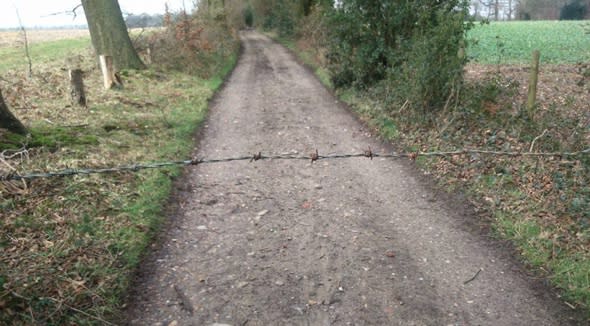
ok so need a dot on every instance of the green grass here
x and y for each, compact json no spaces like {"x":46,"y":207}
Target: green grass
{"x":569,"y":272}
{"x":41,"y":53}
{"x":513,"y":42}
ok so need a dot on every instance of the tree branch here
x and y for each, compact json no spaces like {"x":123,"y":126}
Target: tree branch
{"x":27,"y":53}
{"x":67,"y":12}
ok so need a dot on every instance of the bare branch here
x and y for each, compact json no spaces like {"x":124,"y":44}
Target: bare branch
{"x":72,"y":12}
{"x":27,"y":53}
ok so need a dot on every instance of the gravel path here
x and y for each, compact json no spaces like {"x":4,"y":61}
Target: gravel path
{"x":336,"y":242}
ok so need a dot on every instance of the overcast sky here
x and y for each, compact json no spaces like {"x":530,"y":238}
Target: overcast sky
{"x":39,"y":12}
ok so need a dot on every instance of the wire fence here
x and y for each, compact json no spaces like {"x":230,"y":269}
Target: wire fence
{"x":313,"y":157}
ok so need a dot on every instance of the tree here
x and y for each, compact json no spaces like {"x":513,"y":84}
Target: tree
{"x":539,"y":9}
{"x":144,"y":20}
{"x":8,"y":121}
{"x":494,"y":9}
{"x":576,"y":10}
{"x":109,"y":34}
{"x":410,"y":44}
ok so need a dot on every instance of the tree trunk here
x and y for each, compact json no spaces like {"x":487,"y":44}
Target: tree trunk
{"x":109,"y":33}
{"x":8,"y":121}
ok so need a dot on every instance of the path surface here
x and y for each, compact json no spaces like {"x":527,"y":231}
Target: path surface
{"x":347,"y":242}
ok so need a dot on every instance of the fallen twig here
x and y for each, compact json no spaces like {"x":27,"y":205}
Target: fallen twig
{"x":82,"y":125}
{"x":537,"y":138}
{"x":473,"y":278}
{"x":20,"y":152}
{"x":403,"y":106}
{"x":82,"y":312}
{"x":570,"y":305}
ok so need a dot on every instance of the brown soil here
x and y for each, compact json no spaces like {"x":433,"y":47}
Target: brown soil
{"x":347,"y":242}
{"x":15,"y":38}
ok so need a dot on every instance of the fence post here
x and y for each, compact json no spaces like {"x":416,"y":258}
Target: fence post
{"x":77,"y":87}
{"x":533,"y":80}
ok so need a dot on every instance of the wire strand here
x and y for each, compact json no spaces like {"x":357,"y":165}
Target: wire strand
{"x":257,"y":157}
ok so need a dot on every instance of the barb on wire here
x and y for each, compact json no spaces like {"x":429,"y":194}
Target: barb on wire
{"x":315,"y":156}
{"x":256,"y":157}
{"x":369,"y":153}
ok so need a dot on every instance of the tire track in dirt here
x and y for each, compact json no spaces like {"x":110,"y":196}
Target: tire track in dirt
{"x":347,"y":242}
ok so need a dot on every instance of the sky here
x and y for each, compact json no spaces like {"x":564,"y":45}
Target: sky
{"x":39,"y":13}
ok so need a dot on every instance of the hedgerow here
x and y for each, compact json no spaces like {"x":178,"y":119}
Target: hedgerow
{"x":412,"y":49}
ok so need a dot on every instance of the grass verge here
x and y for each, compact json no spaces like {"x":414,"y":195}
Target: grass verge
{"x":71,"y":244}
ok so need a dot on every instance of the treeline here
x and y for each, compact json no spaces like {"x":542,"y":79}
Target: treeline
{"x":530,"y":9}
{"x":551,"y":9}
{"x":144,"y":20}
{"x":41,"y":28}
{"x":405,"y":51}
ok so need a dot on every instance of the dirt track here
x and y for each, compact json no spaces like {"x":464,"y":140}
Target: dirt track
{"x":347,"y":242}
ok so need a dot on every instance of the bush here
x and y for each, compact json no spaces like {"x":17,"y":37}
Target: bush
{"x":249,"y":16}
{"x":433,"y":68}
{"x":413,"y":45}
{"x":282,"y":17}
{"x":196,"y":44}
{"x":575,"y":10}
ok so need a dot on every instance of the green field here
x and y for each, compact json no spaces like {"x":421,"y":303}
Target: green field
{"x":513,"y":42}
{"x":41,"y":53}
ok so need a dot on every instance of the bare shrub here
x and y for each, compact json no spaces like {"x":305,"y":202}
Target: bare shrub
{"x":197,"y":44}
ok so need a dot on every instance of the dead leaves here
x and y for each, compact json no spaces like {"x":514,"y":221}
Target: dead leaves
{"x":552,"y":192}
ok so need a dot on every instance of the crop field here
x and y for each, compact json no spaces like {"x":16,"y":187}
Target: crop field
{"x":513,"y":42}
{"x":45,"y":46}
{"x":11,"y":38}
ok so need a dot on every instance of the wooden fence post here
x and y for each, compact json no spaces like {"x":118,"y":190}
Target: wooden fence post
{"x":109,"y":75}
{"x":533,"y":80}
{"x":77,"y":87}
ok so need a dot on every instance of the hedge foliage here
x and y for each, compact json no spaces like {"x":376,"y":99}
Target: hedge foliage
{"x":411,"y":50}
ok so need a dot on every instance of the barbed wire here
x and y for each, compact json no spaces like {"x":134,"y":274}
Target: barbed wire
{"x":313,"y":157}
